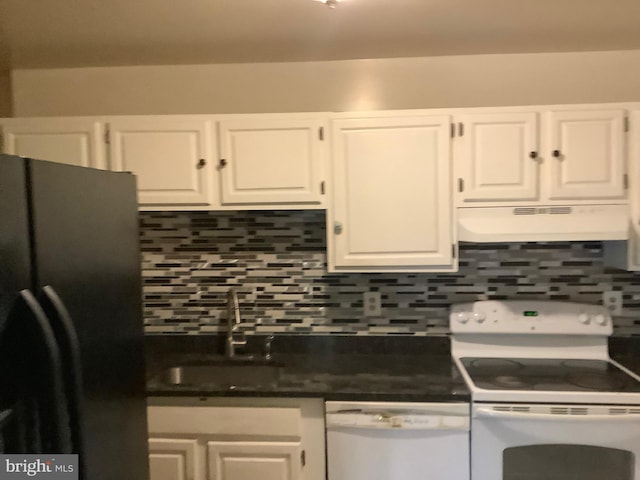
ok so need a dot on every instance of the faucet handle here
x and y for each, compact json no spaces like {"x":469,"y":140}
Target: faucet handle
{"x":267,"y":347}
{"x":238,"y":336}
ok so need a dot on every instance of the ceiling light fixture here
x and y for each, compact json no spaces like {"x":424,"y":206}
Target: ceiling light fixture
{"x":329,"y":3}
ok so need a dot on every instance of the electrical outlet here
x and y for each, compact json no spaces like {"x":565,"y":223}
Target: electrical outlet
{"x":612,"y":301}
{"x":371,"y":303}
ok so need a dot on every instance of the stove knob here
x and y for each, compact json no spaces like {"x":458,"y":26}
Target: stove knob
{"x":479,"y":317}
{"x":601,"y":319}
{"x":463,"y":317}
{"x":584,"y":318}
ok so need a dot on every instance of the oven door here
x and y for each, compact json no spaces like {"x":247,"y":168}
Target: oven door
{"x":560,"y":442}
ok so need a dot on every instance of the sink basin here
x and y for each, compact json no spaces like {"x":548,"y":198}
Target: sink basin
{"x":228,"y":374}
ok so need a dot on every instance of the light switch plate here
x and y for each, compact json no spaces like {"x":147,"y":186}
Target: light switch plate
{"x":372,"y":304}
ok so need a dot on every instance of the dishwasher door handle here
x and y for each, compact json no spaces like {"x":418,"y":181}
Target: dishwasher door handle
{"x":387,"y":420}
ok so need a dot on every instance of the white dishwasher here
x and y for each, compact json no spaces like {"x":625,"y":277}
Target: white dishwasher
{"x":397,"y":441}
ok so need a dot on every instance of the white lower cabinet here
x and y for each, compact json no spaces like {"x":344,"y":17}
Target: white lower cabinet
{"x":244,"y":460}
{"x":236,"y":439}
{"x":173,"y":458}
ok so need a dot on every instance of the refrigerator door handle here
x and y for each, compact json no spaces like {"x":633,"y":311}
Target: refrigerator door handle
{"x":69,"y":344}
{"x":30,"y":323}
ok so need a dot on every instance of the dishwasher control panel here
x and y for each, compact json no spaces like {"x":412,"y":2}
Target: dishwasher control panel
{"x":418,"y":416}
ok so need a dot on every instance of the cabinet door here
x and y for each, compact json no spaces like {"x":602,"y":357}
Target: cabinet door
{"x":271,"y":161}
{"x":171,"y":158}
{"x":244,"y":460}
{"x":173,"y":459}
{"x":586,"y":154}
{"x":497,"y":157}
{"x":392,"y":195}
{"x":72,"y":141}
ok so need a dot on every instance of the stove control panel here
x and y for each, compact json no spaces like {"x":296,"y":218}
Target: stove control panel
{"x":534,"y":317}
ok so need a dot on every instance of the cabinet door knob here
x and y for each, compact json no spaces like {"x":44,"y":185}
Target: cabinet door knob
{"x":556,"y":153}
{"x":223,"y":162}
{"x":201,"y":163}
{"x":533,"y":155}
{"x":337,"y":228}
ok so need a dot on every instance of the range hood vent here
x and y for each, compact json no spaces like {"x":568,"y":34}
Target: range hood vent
{"x":543,"y":223}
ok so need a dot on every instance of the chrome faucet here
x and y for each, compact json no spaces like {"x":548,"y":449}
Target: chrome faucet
{"x":235,"y":337}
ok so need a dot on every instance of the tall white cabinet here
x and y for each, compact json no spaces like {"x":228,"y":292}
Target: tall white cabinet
{"x":391,"y":195}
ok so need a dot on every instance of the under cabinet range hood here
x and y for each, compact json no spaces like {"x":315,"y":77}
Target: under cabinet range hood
{"x":543,"y":223}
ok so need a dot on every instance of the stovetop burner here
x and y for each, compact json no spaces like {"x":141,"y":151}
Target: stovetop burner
{"x":548,"y":375}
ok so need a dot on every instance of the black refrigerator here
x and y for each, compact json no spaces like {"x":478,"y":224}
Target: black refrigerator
{"x":71,"y":331}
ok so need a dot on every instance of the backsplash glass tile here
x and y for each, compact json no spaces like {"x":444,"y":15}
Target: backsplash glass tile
{"x":276,"y":260}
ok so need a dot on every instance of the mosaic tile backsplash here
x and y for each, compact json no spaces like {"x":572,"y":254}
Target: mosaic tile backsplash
{"x":277,"y":263}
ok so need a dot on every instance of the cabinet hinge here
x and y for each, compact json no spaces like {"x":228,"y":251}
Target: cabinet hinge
{"x":460,"y":184}
{"x":303,"y":458}
{"x":321,"y":133}
{"x":461,"y":129}
{"x":453,"y":250}
{"x":107,"y":135}
{"x":322,"y":187}
{"x":453,"y":130}
{"x":626,"y":124}
{"x":625,"y":181}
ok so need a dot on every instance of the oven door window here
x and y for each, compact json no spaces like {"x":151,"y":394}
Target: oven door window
{"x":566,"y":462}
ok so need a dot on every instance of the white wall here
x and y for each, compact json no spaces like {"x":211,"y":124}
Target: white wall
{"x":455,"y":81}
{"x":5,"y":94}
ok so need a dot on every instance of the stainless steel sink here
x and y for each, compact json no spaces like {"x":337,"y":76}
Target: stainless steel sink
{"x":226,"y":374}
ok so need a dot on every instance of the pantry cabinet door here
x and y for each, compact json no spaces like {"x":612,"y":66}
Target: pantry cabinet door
{"x":244,"y":460}
{"x":174,"y":459}
{"x":497,"y":157}
{"x":171,"y":158}
{"x":276,"y":161}
{"x":74,"y":141}
{"x":392,"y":195}
{"x":586,"y":152}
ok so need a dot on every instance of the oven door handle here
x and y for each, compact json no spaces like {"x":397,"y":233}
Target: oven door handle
{"x":489,"y":413}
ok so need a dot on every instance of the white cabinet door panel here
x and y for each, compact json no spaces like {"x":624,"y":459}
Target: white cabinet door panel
{"x":271,"y":161}
{"x":392,"y":193}
{"x":174,"y":459}
{"x":254,"y":460}
{"x":586,"y":154}
{"x":171,"y":159}
{"x":497,"y":157}
{"x":61,"y":140}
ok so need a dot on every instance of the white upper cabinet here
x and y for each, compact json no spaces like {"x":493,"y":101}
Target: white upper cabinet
{"x":586,"y":154}
{"x":267,"y":160}
{"x":499,"y":154}
{"x":74,"y":141}
{"x":171,"y":157}
{"x":540,"y":156}
{"x":391,"y":195}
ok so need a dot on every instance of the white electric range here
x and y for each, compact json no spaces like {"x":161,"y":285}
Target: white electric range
{"x":547,"y":401}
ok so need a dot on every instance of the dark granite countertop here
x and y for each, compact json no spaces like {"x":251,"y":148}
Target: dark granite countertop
{"x":401,"y":369}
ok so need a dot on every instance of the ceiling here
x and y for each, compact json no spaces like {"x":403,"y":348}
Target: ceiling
{"x":70,"y":33}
